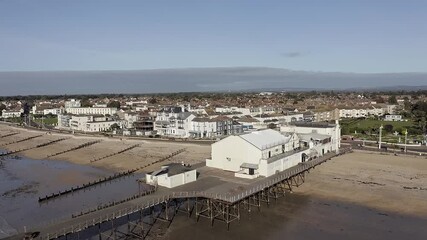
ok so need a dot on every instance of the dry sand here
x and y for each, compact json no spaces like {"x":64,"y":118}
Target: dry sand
{"x":373,"y":180}
{"x":148,"y":150}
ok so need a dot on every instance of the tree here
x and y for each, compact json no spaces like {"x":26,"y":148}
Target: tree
{"x":27,"y":108}
{"x":114,"y":126}
{"x":392,"y":100}
{"x":85,"y":103}
{"x":419,"y":113}
{"x":114,"y":104}
{"x":388,"y":128}
{"x":2,"y":107}
{"x":152,"y":100}
{"x":379,"y":100}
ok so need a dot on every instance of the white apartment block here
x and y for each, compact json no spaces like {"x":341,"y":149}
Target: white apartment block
{"x":393,"y":117}
{"x":64,"y":121}
{"x":91,"y":111}
{"x":90,"y":123}
{"x":53,"y":111}
{"x":174,"y":124}
{"x":252,"y":111}
{"x":133,"y":103}
{"x":317,"y":128}
{"x":73,"y":103}
{"x":215,"y":127}
{"x":99,"y":126}
{"x":279,"y":118}
{"x":11,"y":113}
{"x":327,"y":115}
{"x":357,"y":113}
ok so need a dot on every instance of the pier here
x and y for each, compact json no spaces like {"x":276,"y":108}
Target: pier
{"x":216,"y":195}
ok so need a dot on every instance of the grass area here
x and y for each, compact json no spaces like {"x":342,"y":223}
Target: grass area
{"x":47,"y":121}
{"x":369,"y":124}
{"x":369,"y":127}
{"x":13,"y":120}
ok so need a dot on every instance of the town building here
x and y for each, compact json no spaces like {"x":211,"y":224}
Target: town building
{"x":393,"y":117}
{"x":254,"y":154}
{"x":172,"y":175}
{"x":64,"y":121}
{"x":332,"y":115}
{"x":12,"y":113}
{"x":203,"y":127}
{"x":172,"y":124}
{"x":317,"y":128}
{"x":91,"y":111}
{"x":53,"y":111}
{"x":73,"y":103}
{"x":139,"y":121}
{"x":90,"y":123}
{"x":266,"y":152}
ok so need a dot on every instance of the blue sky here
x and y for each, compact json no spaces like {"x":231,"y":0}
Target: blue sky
{"x":364,"y":36}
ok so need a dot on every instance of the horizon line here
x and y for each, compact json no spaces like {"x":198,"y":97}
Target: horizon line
{"x":200,"y":68}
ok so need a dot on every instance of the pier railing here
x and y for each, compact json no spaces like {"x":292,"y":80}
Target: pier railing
{"x":54,"y":230}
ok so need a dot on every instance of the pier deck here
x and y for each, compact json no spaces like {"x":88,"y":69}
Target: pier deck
{"x":213,"y":185}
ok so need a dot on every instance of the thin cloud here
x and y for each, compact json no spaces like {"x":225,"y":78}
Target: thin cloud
{"x":293,"y":54}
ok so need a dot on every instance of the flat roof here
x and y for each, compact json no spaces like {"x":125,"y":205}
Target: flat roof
{"x":315,"y":136}
{"x":172,"y":169}
{"x":313,"y":124}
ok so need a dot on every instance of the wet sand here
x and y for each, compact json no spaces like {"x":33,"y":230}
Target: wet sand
{"x":304,"y":217}
{"x":24,"y":180}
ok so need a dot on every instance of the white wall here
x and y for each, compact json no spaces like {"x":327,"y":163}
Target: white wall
{"x":174,"y":181}
{"x":280,"y":165}
{"x":91,"y":111}
{"x":334,"y":132}
{"x":229,"y":154}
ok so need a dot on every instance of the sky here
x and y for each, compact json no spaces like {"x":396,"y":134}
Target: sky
{"x":359,"y":36}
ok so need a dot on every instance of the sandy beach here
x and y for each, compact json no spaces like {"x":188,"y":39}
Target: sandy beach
{"x":357,"y":196}
{"x":385,"y":182}
{"x":147,"y":151}
{"x":392,"y":183}
{"x":380,"y":187}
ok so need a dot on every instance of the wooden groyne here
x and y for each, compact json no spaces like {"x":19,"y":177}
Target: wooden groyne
{"x":9,"y":134}
{"x":51,"y":142}
{"x":86,"y":185}
{"x":151,"y":190}
{"x":116,"y":153}
{"x":21,"y":140}
{"x":29,"y":148}
{"x":220,"y":206}
{"x":163,"y":159}
{"x":105,"y":179}
{"x":75,"y":148}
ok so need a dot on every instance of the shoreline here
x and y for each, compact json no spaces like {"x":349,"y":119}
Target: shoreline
{"x":372,"y":180}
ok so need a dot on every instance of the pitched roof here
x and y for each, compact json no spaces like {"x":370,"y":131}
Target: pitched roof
{"x":265,"y":138}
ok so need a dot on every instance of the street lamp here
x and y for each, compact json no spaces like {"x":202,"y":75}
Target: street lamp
{"x":406,"y":137}
{"x":381,"y":131}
